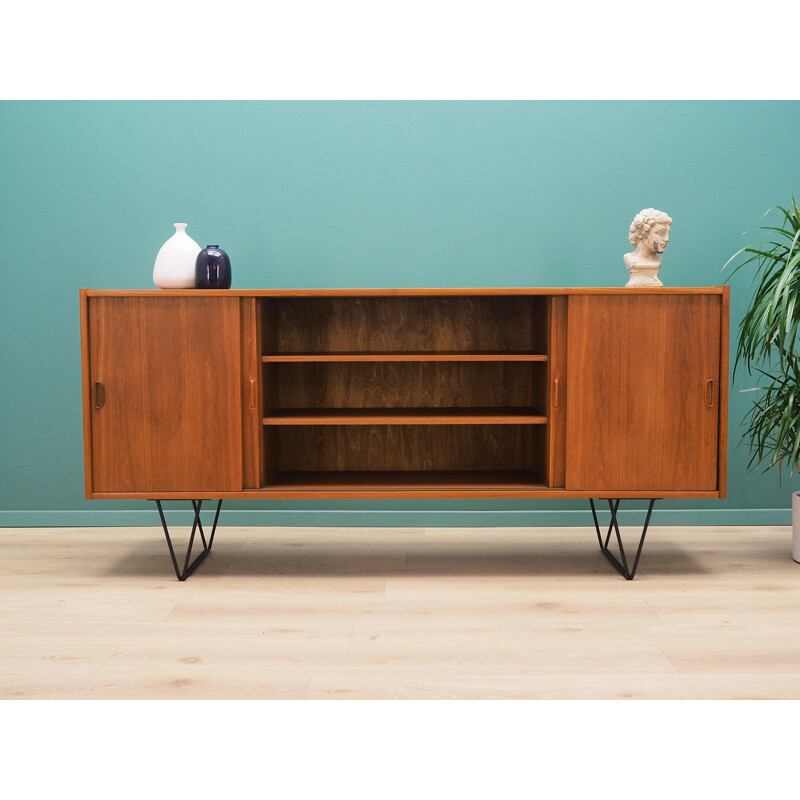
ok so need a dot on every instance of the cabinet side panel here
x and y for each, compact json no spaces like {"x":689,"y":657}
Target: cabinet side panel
{"x":269,"y":315}
{"x":251,"y":395}
{"x":86,"y":390}
{"x":724,"y":345}
{"x":557,"y":397}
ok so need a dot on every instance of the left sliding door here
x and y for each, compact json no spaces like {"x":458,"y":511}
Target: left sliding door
{"x":164,"y":394}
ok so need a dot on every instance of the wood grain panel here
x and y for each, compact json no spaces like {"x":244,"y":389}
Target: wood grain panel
{"x":410,"y":384}
{"x":415,"y":324}
{"x":637,"y":412}
{"x":171,"y":372}
{"x":251,"y":395}
{"x":471,"y":291}
{"x":405,"y":416}
{"x":371,"y":480}
{"x":724,"y":351}
{"x":409,"y":447}
{"x":378,"y":355}
{"x":87,"y":391}
{"x":557,"y":393}
{"x":269,"y":456}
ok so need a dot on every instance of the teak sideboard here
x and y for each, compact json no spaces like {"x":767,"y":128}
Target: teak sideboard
{"x":405,"y":393}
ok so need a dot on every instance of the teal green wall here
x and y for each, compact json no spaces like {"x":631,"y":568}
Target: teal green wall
{"x":359,"y":194}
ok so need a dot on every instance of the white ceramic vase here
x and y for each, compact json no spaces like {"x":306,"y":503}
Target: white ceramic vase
{"x":796,"y":526}
{"x":175,"y":262}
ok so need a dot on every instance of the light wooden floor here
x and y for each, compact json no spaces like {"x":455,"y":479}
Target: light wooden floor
{"x":399,"y":613}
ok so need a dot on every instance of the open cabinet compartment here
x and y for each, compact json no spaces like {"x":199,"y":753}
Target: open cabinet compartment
{"x":488,"y":386}
{"x":424,"y":325}
{"x":428,"y":456}
{"x":407,"y":391}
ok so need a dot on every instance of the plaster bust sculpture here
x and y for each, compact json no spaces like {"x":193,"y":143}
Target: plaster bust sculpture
{"x":649,"y":235}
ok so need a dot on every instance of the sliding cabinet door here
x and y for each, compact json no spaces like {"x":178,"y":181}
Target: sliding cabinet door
{"x":165,"y":394}
{"x":643,"y":392}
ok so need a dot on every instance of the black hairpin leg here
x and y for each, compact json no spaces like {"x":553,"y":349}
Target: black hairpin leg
{"x":622,"y":568}
{"x":188,"y":568}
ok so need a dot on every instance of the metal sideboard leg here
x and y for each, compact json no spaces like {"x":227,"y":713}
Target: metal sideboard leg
{"x":197,"y":526}
{"x":621,"y":567}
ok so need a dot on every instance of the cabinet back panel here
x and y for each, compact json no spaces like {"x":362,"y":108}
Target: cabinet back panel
{"x":411,"y":447}
{"x":405,"y":324}
{"x":404,"y":384}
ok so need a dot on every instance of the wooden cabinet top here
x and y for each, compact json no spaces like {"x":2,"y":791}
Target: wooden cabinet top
{"x":408,"y":292}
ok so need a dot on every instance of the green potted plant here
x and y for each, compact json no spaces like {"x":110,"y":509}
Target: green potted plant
{"x":768,"y":346}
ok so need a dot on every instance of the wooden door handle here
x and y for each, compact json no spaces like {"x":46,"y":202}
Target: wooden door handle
{"x":99,"y":395}
{"x":709,"y":398}
{"x":252,"y":394}
{"x":555,"y":393}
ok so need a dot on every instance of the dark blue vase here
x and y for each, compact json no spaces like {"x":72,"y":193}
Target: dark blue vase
{"x":212,"y":269}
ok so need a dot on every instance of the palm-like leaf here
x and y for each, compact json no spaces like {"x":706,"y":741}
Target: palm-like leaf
{"x":768,"y":338}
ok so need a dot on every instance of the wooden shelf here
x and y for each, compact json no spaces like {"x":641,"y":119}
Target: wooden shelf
{"x":389,"y":356}
{"x":405,"y":416}
{"x":487,"y":480}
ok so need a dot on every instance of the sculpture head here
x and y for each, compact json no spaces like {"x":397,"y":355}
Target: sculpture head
{"x":650,"y":231}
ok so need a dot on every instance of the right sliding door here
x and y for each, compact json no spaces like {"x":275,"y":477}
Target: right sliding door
{"x":643,"y":392}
